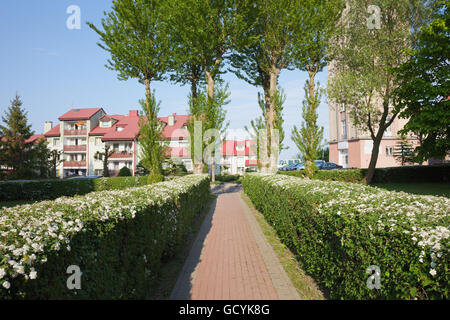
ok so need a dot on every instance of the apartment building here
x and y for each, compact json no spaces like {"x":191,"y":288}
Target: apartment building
{"x":83,"y":134}
{"x":352,"y":148}
{"x":238,"y":156}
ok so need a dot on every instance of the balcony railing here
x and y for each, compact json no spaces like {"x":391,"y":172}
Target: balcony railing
{"x":121,"y":155}
{"x":75,"y":164}
{"x":75,"y":148}
{"x":73,"y":132}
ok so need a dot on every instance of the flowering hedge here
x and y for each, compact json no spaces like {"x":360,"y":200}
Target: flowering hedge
{"x":339,"y":229}
{"x":52,"y":189}
{"x":117,"y":238}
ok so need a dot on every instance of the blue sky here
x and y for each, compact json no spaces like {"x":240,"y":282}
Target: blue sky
{"x":55,"y":69}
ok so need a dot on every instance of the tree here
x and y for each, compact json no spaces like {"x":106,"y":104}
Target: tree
{"x":269,"y":36}
{"x":211,"y":115}
{"x":153,"y":146}
{"x":365,"y":56}
{"x":42,"y":158}
{"x":404,"y":151}
{"x":324,"y":154}
{"x":135,"y":35}
{"x":308,"y":138}
{"x":16,"y":152}
{"x":315,"y":27}
{"x":55,"y":158}
{"x":124,"y":172}
{"x":258,"y":125}
{"x":424,"y":90}
{"x":104,"y":156}
{"x":203,"y":33}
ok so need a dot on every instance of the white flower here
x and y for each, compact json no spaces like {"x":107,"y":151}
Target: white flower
{"x":2,"y":273}
{"x":33,"y":274}
{"x":433,"y":272}
{"x":6,"y":285}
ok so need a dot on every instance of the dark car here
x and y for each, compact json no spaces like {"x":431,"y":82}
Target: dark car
{"x":298,"y":167}
{"x":330,"y":166}
{"x":288,"y":167}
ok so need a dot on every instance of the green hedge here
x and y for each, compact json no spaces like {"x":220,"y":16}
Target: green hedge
{"x":337,"y":230}
{"x":51,"y":189}
{"x":117,"y":238}
{"x":435,"y":173}
{"x":348,"y":175}
{"x":227,"y":177}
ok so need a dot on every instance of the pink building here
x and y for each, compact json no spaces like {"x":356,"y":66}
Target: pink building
{"x":352,"y":148}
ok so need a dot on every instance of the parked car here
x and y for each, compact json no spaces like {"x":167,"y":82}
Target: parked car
{"x":288,"y":167}
{"x":298,"y":167}
{"x":331,"y":166}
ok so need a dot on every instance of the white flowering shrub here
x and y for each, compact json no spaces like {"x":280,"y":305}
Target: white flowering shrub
{"x":117,"y":238}
{"x":337,"y":230}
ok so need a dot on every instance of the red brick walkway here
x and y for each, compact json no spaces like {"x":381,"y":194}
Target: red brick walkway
{"x":230,"y":265}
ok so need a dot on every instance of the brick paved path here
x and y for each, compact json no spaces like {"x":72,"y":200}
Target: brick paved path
{"x":230,"y":260}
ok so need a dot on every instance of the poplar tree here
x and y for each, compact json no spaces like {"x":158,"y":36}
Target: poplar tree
{"x":315,"y":26}
{"x":266,"y":51}
{"x":135,"y":35}
{"x":204,"y":32}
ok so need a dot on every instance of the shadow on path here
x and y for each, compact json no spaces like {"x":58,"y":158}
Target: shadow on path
{"x":183,"y":286}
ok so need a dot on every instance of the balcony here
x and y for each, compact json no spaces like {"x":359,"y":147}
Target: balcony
{"x":121,"y":155}
{"x":80,"y":132}
{"x":74,"y":164}
{"x":70,"y":148}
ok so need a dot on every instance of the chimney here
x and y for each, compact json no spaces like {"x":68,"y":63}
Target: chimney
{"x":172,"y":119}
{"x":48,"y":125}
{"x":133,"y":113}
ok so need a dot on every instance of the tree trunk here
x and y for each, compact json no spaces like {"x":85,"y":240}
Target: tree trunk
{"x":373,"y":159}
{"x":271,"y":114}
{"x":309,"y":163}
{"x":147,"y":94}
{"x":211,"y":84}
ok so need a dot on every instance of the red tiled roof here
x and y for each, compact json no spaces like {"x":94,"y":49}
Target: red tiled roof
{"x":175,"y":132}
{"x":80,"y":114}
{"x":53,"y":132}
{"x":130,"y":124}
{"x":35,"y":138}
{"x":230,"y":148}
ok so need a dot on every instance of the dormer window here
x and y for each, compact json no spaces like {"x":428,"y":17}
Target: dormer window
{"x":118,"y":129}
{"x":105,"y":124}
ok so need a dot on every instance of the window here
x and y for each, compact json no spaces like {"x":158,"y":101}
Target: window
{"x":98,"y":141}
{"x":388,"y":132}
{"x":56,"y":141}
{"x":105,"y":124}
{"x":389,"y":151}
{"x":342,"y":107}
{"x":118,"y":129}
{"x":344,"y":129}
